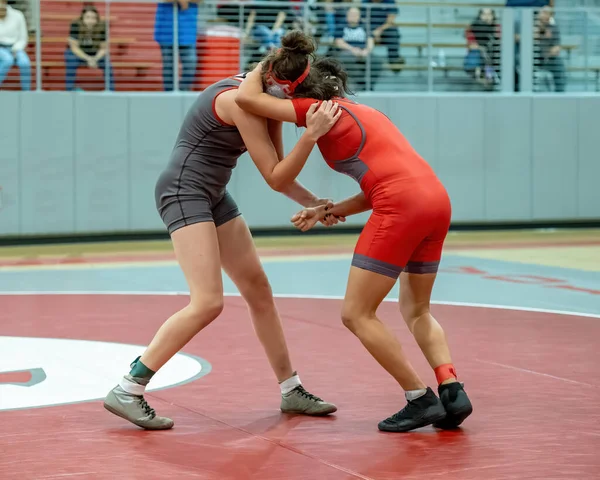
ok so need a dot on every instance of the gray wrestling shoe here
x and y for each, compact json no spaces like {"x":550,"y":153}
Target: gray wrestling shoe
{"x":135,"y":409}
{"x":302,"y":402}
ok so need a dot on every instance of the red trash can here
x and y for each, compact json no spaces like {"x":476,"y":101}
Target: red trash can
{"x":219,"y":54}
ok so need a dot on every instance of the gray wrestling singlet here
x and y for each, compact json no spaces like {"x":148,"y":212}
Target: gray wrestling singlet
{"x":192,"y":189}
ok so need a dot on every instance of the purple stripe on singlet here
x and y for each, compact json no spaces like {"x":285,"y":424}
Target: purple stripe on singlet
{"x":376,"y":266}
{"x":422,"y":267}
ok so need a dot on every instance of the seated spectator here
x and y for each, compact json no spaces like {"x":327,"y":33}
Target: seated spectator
{"x":382,"y":22}
{"x":354,"y":47}
{"x":483,"y":39}
{"x":87,"y":46}
{"x":187,"y":27}
{"x":547,"y":48}
{"x":13,"y":40}
{"x":267,"y":24}
{"x":331,"y":16}
{"x":27,"y":9}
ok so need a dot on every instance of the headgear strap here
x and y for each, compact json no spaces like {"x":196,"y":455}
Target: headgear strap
{"x":284,"y":88}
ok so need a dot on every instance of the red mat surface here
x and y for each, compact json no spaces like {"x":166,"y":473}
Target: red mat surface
{"x":531,"y":376}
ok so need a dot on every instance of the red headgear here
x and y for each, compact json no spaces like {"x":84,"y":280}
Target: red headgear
{"x":284,"y":88}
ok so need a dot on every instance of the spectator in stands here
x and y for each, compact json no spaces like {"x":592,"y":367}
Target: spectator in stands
{"x":187,"y":26}
{"x":354,"y":47}
{"x":13,"y":40}
{"x":87,"y":46}
{"x":517,"y":5}
{"x":547,"y":48}
{"x":483,"y":40}
{"x":267,"y":24}
{"x":382,"y":22}
{"x":333,"y":15}
{"x":25,"y":7}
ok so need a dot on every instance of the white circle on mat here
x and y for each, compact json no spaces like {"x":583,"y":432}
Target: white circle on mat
{"x":38,"y":372}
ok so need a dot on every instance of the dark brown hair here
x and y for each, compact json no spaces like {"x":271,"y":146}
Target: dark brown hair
{"x":96,"y":35}
{"x":333,"y":75}
{"x":327,"y":78}
{"x":89,"y":8}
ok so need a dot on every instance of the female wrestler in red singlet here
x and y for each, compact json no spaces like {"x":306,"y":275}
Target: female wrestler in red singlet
{"x":403,"y":238}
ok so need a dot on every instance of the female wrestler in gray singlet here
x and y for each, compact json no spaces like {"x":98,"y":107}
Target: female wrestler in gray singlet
{"x":208,"y":232}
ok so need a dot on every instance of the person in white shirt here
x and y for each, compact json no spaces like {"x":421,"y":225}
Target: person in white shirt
{"x":13,"y":40}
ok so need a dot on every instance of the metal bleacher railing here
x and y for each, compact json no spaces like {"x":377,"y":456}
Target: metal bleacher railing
{"x":443,"y":46}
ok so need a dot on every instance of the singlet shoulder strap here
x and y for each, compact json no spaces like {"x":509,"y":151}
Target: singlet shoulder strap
{"x":239,"y":77}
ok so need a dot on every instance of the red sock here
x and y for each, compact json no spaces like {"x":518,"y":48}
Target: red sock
{"x":444,"y":372}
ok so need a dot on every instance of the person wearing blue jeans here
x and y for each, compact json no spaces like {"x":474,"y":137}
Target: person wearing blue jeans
{"x":267,"y":37}
{"x":13,"y":40}
{"x":87,"y":46}
{"x":187,"y":25}
{"x":73,"y":62}
{"x":188,"y":60}
{"x":268,"y":24}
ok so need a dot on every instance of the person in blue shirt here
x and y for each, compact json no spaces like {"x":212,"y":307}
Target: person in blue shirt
{"x":354,"y":46}
{"x":381,"y":17}
{"x":187,"y":25}
{"x":333,"y":16}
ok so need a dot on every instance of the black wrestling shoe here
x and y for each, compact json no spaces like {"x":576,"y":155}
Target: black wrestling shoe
{"x":418,"y":413}
{"x":457,"y":405}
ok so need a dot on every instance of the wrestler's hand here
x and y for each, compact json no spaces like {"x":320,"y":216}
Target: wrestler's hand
{"x":328,"y":220}
{"x":327,"y":203}
{"x":321,"y":118}
{"x":331,"y":220}
{"x":306,"y":219}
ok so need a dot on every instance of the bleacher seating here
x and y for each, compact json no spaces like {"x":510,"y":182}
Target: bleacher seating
{"x":135,"y":56}
{"x":137,"y":63}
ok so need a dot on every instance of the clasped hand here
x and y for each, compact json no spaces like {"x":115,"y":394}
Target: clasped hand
{"x":308,"y":217}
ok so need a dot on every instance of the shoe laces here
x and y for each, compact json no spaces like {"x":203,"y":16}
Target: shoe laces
{"x":405,"y":412}
{"x":304,"y":393}
{"x":147,"y":408}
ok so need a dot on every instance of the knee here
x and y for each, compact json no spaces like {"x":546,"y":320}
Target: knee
{"x":349,"y":320}
{"x":23,"y":61}
{"x":353,"y":318}
{"x":6,"y":59}
{"x":203,"y":311}
{"x":258,"y":293}
{"x":70,"y":59}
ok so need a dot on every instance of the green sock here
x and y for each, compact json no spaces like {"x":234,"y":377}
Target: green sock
{"x":139,"y":370}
